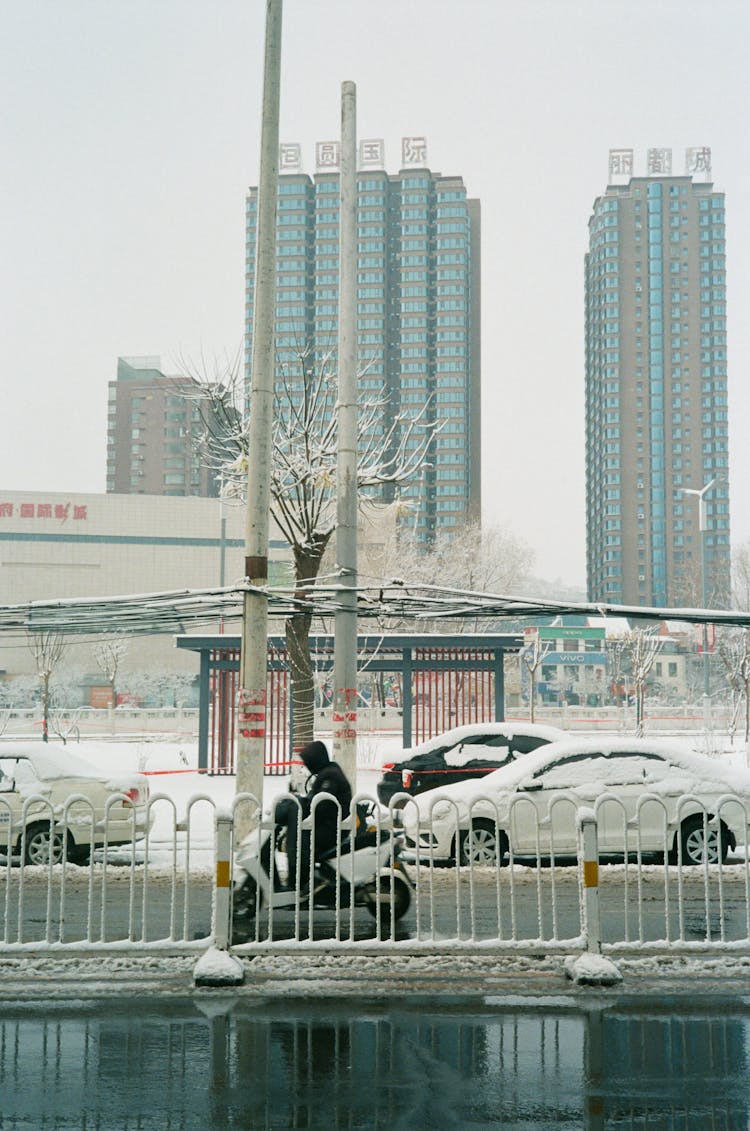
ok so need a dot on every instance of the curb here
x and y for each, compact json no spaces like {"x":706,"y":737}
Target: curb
{"x":438,"y":979}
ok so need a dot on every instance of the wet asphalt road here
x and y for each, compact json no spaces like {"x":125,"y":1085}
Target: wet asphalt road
{"x":446,"y":905}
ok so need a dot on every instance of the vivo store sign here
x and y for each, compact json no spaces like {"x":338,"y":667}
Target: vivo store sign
{"x":575,"y":658}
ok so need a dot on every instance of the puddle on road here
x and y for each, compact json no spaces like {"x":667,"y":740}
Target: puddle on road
{"x":218,"y":1062}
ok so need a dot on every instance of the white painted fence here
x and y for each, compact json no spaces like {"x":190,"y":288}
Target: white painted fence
{"x":173,"y":895}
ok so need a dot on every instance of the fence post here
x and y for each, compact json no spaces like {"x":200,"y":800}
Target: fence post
{"x":591,"y":968}
{"x":222,"y":927}
{"x":217,"y":967}
{"x":590,"y":842}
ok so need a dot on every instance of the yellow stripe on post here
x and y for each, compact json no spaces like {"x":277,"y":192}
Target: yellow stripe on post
{"x":590,"y":874}
{"x":222,"y":873}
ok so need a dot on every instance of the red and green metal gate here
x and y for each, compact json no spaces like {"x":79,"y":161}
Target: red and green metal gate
{"x":445,"y":681}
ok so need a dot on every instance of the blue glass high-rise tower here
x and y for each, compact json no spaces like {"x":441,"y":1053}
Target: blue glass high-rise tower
{"x":418,"y":310}
{"x":656,"y":393}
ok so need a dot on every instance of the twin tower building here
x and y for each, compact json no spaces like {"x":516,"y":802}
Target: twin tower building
{"x":657,"y":494}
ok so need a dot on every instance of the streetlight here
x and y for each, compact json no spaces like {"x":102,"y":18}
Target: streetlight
{"x":702,"y":527}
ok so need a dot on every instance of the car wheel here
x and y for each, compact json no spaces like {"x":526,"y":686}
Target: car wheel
{"x":43,"y":843}
{"x":483,"y":843}
{"x":699,"y":844}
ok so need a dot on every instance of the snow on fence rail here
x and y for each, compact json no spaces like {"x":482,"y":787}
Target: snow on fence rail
{"x":607,"y":879}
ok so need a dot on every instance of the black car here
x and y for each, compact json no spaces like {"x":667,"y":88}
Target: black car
{"x":464,"y":753}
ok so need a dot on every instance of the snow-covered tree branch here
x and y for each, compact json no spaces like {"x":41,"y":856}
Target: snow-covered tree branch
{"x":392,"y":448}
{"x":734,"y":649}
{"x":642,"y":646}
{"x":48,"y":649}
{"x":109,"y":654}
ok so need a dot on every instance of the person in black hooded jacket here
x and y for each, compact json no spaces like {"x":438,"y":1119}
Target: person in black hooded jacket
{"x":325,"y":777}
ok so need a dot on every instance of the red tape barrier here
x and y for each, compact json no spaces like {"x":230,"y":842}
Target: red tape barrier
{"x":205,"y":770}
{"x":458,"y":770}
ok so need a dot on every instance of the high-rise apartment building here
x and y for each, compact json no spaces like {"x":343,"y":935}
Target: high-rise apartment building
{"x":418,"y":291}
{"x":656,"y":387}
{"x":155,"y":428}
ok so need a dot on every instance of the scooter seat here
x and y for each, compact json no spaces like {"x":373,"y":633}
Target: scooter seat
{"x":362,"y":840}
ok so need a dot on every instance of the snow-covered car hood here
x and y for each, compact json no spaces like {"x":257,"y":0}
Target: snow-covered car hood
{"x":701,"y":773}
{"x":57,"y":763}
{"x":458,"y":734}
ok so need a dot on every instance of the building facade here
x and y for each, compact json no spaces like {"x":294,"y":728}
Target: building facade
{"x":156,"y":429}
{"x":656,"y":387}
{"x":418,"y":307}
{"x":55,"y":546}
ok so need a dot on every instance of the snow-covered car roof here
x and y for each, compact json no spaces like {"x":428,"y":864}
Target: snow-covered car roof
{"x":52,"y":761}
{"x":733,"y":779}
{"x":450,"y":737}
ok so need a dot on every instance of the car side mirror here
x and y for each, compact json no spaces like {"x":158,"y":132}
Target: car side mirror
{"x":531,"y":785}
{"x":7,"y":785}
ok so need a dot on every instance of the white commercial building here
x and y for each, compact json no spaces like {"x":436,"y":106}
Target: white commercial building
{"x":58,"y":545}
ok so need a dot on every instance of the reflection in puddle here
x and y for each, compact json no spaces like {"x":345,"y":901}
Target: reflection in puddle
{"x":222,"y":1062}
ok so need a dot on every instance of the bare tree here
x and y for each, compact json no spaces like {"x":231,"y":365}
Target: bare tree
{"x":532,"y":656}
{"x":109,"y":654}
{"x":734,"y":649}
{"x":63,"y":721}
{"x":48,"y":649}
{"x":475,"y":558}
{"x":741,"y":576}
{"x":158,"y":687}
{"x":392,"y":447}
{"x":642,"y":646}
{"x":615,"y":649}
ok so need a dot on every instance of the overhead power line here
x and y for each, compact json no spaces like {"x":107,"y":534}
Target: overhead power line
{"x":182,"y":611}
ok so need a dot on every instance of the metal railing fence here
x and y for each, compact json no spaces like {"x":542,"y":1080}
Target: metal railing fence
{"x":612,"y":878}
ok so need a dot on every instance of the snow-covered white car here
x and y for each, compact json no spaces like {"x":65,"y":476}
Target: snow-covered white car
{"x":38,"y":782}
{"x":660,"y":793}
{"x":462,"y":754}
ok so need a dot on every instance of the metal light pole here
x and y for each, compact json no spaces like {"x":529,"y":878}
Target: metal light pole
{"x":251,"y":740}
{"x":702,"y":527}
{"x":345,"y":626}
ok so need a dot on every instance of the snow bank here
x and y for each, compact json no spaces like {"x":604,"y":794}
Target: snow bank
{"x":592,"y":970}
{"x":218,"y":968}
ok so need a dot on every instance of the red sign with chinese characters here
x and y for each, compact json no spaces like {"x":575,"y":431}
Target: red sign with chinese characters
{"x":60,"y":511}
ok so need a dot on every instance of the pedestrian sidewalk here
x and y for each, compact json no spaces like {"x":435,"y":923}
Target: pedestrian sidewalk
{"x":437,"y":979}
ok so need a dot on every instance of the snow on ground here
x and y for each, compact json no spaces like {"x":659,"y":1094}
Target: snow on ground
{"x":176,"y":785}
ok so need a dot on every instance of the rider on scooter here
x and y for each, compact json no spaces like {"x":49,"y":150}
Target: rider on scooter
{"x":325,"y":777}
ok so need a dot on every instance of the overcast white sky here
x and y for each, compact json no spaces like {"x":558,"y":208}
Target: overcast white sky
{"x":130,"y":131}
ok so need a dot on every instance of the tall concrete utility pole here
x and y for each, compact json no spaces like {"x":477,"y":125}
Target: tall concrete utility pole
{"x":345,"y":624}
{"x":252,"y":695}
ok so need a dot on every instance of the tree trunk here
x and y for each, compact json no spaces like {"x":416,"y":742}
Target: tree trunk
{"x":303,"y":680}
{"x":45,"y":707}
{"x":639,"y":704}
{"x":306,"y":568}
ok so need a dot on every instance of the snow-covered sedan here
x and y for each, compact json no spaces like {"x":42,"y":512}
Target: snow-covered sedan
{"x":462,"y":754}
{"x":649,"y":795}
{"x":52,"y":800}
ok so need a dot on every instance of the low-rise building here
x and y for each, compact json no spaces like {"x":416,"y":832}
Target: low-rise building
{"x":55,"y":545}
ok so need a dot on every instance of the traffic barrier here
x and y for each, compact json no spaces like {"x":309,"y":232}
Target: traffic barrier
{"x":623,"y":884}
